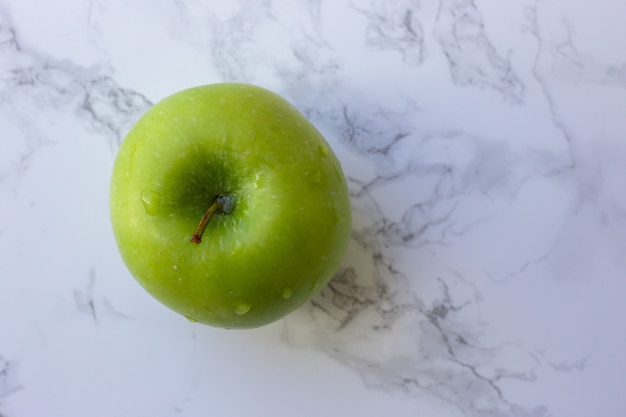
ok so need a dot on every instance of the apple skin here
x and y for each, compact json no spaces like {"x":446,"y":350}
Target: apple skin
{"x":288,"y":229}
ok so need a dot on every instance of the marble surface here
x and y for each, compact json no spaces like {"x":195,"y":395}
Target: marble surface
{"x":484,"y":144}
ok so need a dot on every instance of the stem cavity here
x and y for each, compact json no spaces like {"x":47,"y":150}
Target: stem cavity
{"x":222,"y":204}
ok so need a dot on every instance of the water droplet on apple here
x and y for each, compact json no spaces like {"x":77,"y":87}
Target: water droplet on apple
{"x":257,"y":180}
{"x":175,"y":267}
{"x":313,"y":286}
{"x":150,"y":200}
{"x":323,"y":151}
{"x":191,"y":319}
{"x":287,"y":293}
{"x":242,"y":308}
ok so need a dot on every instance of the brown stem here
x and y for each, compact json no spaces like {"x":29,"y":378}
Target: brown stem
{"x":222,"y":204}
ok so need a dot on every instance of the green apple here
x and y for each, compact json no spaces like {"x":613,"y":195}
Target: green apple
{"x":228,"y":206}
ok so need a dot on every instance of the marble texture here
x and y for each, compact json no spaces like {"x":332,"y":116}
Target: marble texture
{"x":484,"y":144}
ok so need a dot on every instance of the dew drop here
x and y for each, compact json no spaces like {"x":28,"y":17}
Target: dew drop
{"x":287,"y":293}
{"x":258,"y":183}
{"x":151,"y":201}
{"x":242,"y":308}
{"x":323,"y":150}
{"x":191,"y":319}
{"x":175,"y":267}
{"x":313,"y":285}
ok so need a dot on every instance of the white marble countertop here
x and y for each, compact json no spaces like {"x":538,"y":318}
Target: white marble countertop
{"x":484,"y":144}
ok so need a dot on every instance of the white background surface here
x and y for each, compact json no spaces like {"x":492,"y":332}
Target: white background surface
{"x":484,"y":144}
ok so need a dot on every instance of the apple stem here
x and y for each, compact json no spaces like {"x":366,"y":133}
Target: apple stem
{"x":223,"y":204}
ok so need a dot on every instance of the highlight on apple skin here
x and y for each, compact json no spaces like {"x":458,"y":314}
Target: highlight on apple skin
{"x":228,"y":205}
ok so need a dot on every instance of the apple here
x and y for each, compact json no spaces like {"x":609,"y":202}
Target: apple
{"x":228,"y":205}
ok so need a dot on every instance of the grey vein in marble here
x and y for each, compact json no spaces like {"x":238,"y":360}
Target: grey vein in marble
{"x":472,"y":58}
{"x":9,"y":382}
{"x":394,"y":26}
